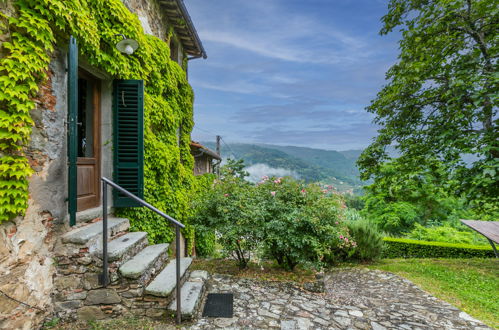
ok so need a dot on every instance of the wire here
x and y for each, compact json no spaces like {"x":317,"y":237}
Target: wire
{"x":233,"y":153}
{"x":20,"y":302}
{"x":204,"y":130}
{"x":223,"y":141}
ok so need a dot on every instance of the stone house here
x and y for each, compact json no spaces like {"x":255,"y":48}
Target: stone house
{"x":205,"y":159}
{"x":98,"y":96}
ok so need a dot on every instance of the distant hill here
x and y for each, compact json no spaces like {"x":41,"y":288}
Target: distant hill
{"x":312,"y":165}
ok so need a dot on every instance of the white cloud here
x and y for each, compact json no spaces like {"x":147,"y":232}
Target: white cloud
{"x":241,"y":87}
{"x":257,"y":171}
{"x":270,"y":29}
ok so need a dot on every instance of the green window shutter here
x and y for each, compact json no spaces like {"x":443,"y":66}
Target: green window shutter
{"x":72,"y":129}
{"x":128,"y":137}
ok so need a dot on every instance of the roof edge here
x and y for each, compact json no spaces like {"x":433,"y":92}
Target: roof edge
{"x":190,"y":26}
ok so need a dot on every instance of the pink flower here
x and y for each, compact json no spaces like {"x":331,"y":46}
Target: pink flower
{"x":277,"y":181}
{"x":303,"y":191}
{"x":337,"y":223}
{"x":272,"y":193}
{"x":346,"y":239}
{"x":341,"y":236}
{"x":226,"y":195}
{"x":265,"y":178}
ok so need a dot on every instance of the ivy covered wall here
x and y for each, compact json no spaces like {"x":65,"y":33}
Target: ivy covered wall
{"x":36,"y":28}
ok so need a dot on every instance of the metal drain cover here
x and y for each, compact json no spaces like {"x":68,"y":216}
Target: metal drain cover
{"x":219,"y":305}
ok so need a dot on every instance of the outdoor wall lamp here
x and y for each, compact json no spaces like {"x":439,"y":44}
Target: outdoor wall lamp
{"x":127,"y":46}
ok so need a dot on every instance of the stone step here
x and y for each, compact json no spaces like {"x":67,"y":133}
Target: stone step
{"x":144,"y":261}
{"x":191,"y":294}
{"x":166,"y":281}
{"x":124,"y":247}
{"x":86,"y":233}
{"x":190,"y":297}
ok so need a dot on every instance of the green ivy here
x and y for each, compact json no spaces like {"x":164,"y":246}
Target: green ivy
{"x":35,"y":30}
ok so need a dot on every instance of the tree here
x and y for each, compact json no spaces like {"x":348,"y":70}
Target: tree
{"x":234,"y":168}
{"x":441,"y":97}
{"x":398,"y":200}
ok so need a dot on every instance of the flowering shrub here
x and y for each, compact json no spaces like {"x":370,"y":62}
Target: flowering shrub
{"x":302,"y":222}
{"x":291,"y":222}
{"x":229,"y":209}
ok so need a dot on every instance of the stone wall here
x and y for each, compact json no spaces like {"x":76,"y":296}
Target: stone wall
{"x":27,"y":269}
{"x":79,"y":295}
{"x":26,"y":243}
{"x":153,"y":21}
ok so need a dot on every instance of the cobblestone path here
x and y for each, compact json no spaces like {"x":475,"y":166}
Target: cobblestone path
{"x":354,"y":299}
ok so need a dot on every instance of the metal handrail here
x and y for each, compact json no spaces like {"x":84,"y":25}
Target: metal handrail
{"x":104,"y":278}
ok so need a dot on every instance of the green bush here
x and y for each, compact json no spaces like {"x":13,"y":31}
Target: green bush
{"x":408,"y":248}
{"x":205,"y":242}
{"x":301,"y":222}
{"x":447,"y":234}
{"x":288,"y":221}
{"x":368,"y":238}
{"x":229,"y":208}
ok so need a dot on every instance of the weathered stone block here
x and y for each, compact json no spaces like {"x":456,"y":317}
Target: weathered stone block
{"x":132,"y":293}
{"x":138,"y":311}
{"x":62,"y":260}
{"x":153,"y":312}
{"x":76,"y":295}
{"x":67,"y":305}
{"x":68,"y":282}
{"x":91,"y":281}
{"x":84,"y":260}
{"x":198,"y":276}
{"x":90,"y":313}
{"x":102,"y":296}
{"x":127,"y":302}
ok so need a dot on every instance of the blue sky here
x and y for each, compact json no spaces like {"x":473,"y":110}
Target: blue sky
{"x":289,"y":72}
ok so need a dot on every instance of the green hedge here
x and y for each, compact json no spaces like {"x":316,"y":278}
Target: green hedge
{"x":409,"y":248}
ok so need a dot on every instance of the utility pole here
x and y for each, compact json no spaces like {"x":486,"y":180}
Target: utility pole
{"x":218,"y":144}
{"x":218,"y":152}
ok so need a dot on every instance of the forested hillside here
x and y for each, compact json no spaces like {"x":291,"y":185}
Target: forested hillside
{"x":312,"y":165}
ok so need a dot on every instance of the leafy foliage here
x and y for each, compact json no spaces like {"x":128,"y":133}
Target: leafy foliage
{"x":446,"y":233}
{"x":368,"y":238}
{"x":301,"y":223}
{"x":441,"y":99}
{"x":291,"y":222}
{"x":408,"y":248}
{"x":22,"y":67}
{"x":205,"y":242}
{"x":397,"y":200}
{"x":234,"y":168}
{"x":230,"y":209}
{"x":35,"y":29}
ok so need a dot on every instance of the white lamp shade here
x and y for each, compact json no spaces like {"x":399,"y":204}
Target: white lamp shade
{"x":127,"y":46}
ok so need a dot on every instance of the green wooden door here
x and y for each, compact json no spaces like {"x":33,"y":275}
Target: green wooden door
{"x":128,"y":138}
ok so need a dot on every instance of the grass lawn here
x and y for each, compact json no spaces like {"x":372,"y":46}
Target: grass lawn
{"x":472,"y":285}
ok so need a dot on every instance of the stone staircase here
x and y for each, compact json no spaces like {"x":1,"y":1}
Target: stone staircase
{"x":142,"y":278}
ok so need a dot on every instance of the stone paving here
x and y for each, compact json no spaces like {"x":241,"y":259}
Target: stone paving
{"x":354,"y":299}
